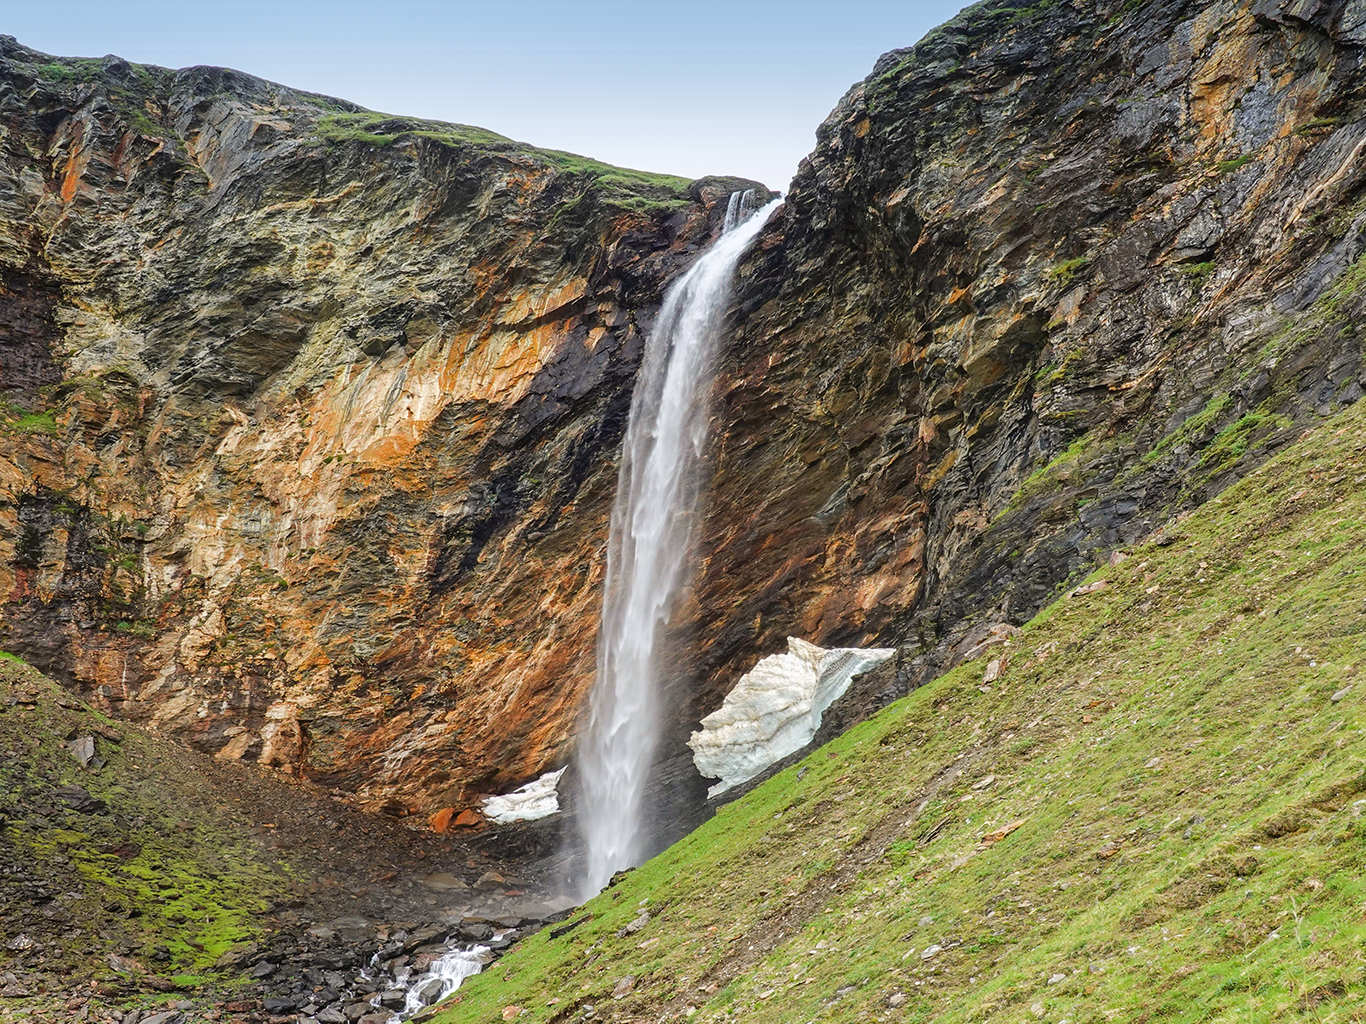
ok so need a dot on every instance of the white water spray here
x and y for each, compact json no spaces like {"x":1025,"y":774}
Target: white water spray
{"x":652,"y":520}
{"x":439,"y":980}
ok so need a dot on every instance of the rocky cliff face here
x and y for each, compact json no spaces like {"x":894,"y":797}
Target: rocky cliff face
{"x":1050,"y":277}
{"x":311,"y":417}
{"x":314,"y":412}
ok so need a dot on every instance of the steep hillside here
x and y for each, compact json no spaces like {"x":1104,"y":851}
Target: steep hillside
{"x":137,"y":873}
{"x":1156,"y":811}
{"x":311,"y":416}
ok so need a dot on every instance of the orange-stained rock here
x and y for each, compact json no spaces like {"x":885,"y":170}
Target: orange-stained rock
{"x":468,"y":819}
{"x":441,"y":820}
{"x":333,"y":427}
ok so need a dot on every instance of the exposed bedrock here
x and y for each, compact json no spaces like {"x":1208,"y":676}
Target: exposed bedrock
{"x":1049,"y":278}
{"x":313,"y":418}
{"x":313,"y":453}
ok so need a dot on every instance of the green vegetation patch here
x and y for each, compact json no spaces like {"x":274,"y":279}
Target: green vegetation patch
{"x":1063,"y":273}
{"x":16,"y":419}
{"x":161,"y":862}
{"x":641,"y":191}
{"x":1158,"y":812}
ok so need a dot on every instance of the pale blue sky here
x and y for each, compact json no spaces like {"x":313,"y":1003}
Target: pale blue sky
{"x":685,"y":88}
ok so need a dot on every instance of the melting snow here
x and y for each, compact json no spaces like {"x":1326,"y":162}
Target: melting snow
{"x":537,"y":799}
{"x":776,"y":709}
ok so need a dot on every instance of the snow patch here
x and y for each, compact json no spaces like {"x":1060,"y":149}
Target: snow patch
{"x":537,"y":799}
{"x":776,"y":709}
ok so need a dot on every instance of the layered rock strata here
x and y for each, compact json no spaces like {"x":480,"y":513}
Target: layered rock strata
{"x":312,"y":415}
{"x":1051,"y":276}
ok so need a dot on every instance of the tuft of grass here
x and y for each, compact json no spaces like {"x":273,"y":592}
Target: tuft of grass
{"x":1229,"y":166}
{"x":1318,"y":124}
{"x":1064,"y":272}
{"x":29,"y":422}
{"x":1158,"y":812}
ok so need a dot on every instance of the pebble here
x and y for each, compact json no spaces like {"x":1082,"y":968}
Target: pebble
{"x":1340,"y":694}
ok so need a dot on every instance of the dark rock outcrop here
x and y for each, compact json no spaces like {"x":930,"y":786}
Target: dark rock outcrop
{"x":1050,"y":277}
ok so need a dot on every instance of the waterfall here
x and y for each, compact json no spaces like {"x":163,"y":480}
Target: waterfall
{"x":652,"y":520}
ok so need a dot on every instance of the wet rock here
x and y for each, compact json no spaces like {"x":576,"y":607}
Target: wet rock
{"x":280,"y":1004}
{"x":429,"y":991}
{"x":393,"y":998}
{"x":331,"y":1015}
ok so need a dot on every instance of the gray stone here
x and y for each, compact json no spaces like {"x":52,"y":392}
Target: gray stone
{"x":83,"y":749}
{"x":430,"y":991}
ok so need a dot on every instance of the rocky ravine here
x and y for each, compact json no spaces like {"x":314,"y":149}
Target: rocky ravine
{"x":311,"y":418}
{"x":326,"y":477}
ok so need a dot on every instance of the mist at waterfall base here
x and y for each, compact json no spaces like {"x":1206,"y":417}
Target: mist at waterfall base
{"x":652,"y":517}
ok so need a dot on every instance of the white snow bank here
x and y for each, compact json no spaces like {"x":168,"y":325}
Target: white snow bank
{"x":537,"y":799}
{"x":776,"y":709}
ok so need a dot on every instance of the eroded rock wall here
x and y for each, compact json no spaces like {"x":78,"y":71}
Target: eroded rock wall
{"x":1050,"y":277}
{"x":313,"y":418}
{"x":312,"y":456}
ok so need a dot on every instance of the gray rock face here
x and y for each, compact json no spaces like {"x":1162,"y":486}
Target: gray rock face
{"x":1049,"y":278}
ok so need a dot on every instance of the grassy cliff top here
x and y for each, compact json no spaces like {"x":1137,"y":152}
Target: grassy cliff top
{"x":1156,"y":813}
{"x":143,"y":93}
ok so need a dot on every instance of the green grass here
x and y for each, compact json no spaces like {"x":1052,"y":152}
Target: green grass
{"x":1192,"y":846}
{"x":638,"y":190}
{"x":164,"y":865}
{"x":1318,"y":124}
{"x":1060,"y":470}
{"x":1229,"y":166}
{"x":1190,"y":431}
{"x":15,"y":419}
{"x":1232,"y":443}
{"x":1065,"y":271}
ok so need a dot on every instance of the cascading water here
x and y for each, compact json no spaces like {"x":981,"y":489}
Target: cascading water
{"x":651,"y":524}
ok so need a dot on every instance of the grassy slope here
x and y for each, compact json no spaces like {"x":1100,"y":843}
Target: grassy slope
{"x":1189,"y":798}
{"x":162,"y":865}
